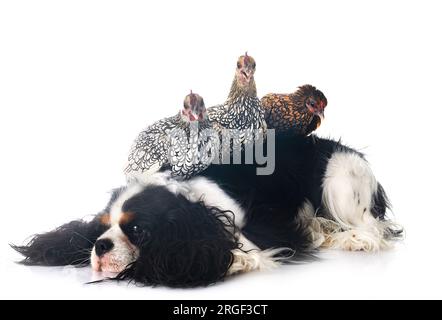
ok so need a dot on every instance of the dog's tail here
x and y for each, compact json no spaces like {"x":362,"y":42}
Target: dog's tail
{"x":381,"y":204}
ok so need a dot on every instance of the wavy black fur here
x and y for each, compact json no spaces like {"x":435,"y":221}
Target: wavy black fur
{"x":185,"y":244}
{"x":69,"y":244}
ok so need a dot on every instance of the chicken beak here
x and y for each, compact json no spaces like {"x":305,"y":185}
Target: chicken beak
{"x":247,"y":73}
{"x":320,"y":114}
{"x":192,"y":116}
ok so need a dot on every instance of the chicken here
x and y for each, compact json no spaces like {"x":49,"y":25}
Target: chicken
{"x":242,"y":110}
{"x":300,"y":112}
{"x":182,"y":143}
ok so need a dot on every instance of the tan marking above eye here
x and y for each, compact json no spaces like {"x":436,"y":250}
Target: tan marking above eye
{"x":126,"y":217}
{"x":105,"y":219}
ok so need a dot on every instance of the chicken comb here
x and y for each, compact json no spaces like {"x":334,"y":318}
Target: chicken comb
{"x":246,"y":58}
{"x":192,"y":97}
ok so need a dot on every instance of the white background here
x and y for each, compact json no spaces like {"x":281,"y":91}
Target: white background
{"x":79,"y":80}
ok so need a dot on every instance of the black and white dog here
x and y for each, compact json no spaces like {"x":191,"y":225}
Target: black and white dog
{"x":228,"y":220}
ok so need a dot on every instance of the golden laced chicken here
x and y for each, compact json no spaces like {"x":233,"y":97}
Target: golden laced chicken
{"x":300,"y":112}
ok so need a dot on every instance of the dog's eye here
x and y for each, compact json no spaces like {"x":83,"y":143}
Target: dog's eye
{"x":139,"y":232}
{"x":136,"y":230}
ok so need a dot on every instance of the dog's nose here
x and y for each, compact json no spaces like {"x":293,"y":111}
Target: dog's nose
{"x":102,"y":246}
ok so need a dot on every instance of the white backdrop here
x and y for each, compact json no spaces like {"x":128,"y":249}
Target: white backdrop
{"x":79,"y":80}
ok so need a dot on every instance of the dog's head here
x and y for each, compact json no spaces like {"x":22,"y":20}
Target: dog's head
{"x":155,"y":232}
{"x":155,"y":236}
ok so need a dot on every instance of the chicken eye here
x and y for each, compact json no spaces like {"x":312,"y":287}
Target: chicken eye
{"x":254,"y":65}
{"x":238,"y":65}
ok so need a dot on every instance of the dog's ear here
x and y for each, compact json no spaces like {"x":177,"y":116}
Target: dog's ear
{"x":190,"y":246}
{"x":69,"y":244}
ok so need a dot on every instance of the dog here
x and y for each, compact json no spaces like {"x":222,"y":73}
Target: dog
{"x":158,"y":230}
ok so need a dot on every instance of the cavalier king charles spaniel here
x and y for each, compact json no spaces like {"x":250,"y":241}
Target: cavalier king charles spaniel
{"x":158,"y":230}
